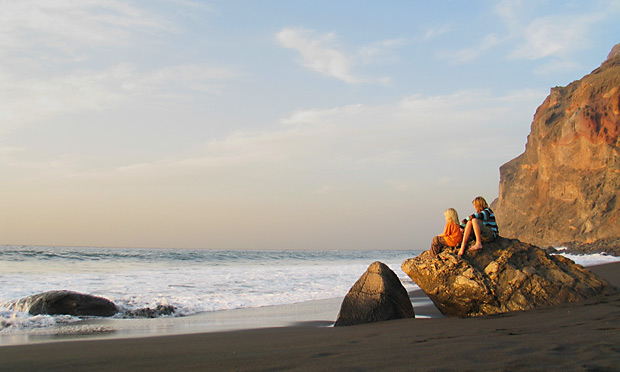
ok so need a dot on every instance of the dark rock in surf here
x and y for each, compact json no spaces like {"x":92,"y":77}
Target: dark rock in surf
{"x":609,"y":246}
{"x":147,"y":312}
{"x":66,"y":303}
{"x":377,"y":295}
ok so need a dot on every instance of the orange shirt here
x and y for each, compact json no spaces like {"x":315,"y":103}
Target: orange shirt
{"x":452,"y":233}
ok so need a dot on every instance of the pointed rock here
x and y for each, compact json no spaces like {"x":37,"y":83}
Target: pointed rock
{"x":378,"y":295}
{"x":615,"y":51}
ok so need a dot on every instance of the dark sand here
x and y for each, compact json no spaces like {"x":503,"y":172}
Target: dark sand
{"x":574,"y":337}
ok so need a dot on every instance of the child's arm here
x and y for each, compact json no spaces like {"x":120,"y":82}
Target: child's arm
{"x":482,"y":215}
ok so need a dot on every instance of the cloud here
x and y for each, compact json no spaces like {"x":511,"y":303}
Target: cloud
{"x":554,"y":36}
{"x":193,"y":5}
{"x":319,"y":54}
{"x":26,"y":100}
{"x":46,"y":45}
{"x":379,"y":51}
{"x":336,"y":146}
{"x":434,"y":32}
{"x":192,"y":77}
{"x":69,"y":26}
{"x":470,"y":54}
{"x":510,"y":12}
{"x":557,"y":65}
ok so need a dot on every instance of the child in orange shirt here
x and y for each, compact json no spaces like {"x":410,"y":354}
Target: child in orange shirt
{"x":452,"y":233}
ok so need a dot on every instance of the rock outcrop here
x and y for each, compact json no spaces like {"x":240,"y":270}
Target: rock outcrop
{"x":65,"y":303}
{"x":565,"y":186}
{"x":377,"y":295}
{"x":609,"y":246}
{"x":507,"y":275}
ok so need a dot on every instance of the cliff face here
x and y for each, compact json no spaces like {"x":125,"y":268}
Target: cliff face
{"x":565,"y":186}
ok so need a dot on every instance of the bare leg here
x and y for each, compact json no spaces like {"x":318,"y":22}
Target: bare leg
{"x":466,"y":234}
{"x":435,"y":247}
{"x":476,"y":228}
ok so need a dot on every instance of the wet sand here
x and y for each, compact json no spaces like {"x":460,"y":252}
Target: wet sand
{"x":577,"y":337}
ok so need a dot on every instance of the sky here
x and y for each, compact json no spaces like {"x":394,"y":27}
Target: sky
{"x":272,"y":124}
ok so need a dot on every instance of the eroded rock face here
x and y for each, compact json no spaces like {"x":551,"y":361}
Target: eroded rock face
{"x":377,"y":295}
{"x":507,"y":275}
{"x":565,"y":186}
{"x":66,"y":303}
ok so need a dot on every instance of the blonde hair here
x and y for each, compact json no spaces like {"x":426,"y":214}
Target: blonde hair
{"x":451,"y":215}
{"x":480,"y":203}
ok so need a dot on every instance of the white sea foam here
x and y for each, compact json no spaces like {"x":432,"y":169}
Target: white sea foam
{"x":193,"y":282}
{"x":15,"y":321}
{"x":590,"y":259}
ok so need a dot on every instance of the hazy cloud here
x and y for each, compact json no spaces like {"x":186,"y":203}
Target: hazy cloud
{"x":379,"y":51}
{"x":553,"y":36}
{"x":375,"y":138}
{"x":26,"y":100}
{"x":319,"y":53}
{"x":557,"y":65}
{"x":470,"y":54}
{"x":55,"y":38}
{"x":68,"y":26}
{"x":434,"y":32}
{"x":557,"y":35}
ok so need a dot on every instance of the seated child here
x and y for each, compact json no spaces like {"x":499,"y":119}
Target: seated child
{"x":451,"y":235}
{"x":482,"y":224}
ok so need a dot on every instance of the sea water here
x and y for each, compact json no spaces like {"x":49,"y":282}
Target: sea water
{"x":191,"y":280}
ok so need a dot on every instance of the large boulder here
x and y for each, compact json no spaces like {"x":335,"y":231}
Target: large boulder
{"x":564,"y":187}
{"x":377,"y":295}
{"x":66,"y":303}
{"x":506,"y":275}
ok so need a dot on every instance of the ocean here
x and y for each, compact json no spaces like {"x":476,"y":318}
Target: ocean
{"x":193,"y":281}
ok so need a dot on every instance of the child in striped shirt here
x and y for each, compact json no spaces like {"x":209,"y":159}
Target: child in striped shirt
{"x":483,"y":225}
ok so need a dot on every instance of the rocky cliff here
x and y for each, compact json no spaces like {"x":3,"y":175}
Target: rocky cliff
{"x":565,"y":186}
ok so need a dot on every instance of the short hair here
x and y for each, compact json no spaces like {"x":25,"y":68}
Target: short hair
{"x":480,"y":203}
{"x":451,"y":215}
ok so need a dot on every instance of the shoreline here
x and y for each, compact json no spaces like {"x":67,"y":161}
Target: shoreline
{"x":319,"y":313}
{"x":577,"y":336}
{"x":314,"y":313}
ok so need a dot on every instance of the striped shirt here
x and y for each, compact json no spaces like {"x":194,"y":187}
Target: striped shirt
{"x":488,"y":219}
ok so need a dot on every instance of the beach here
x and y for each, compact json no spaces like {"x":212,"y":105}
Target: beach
{"x":578,"y":337}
